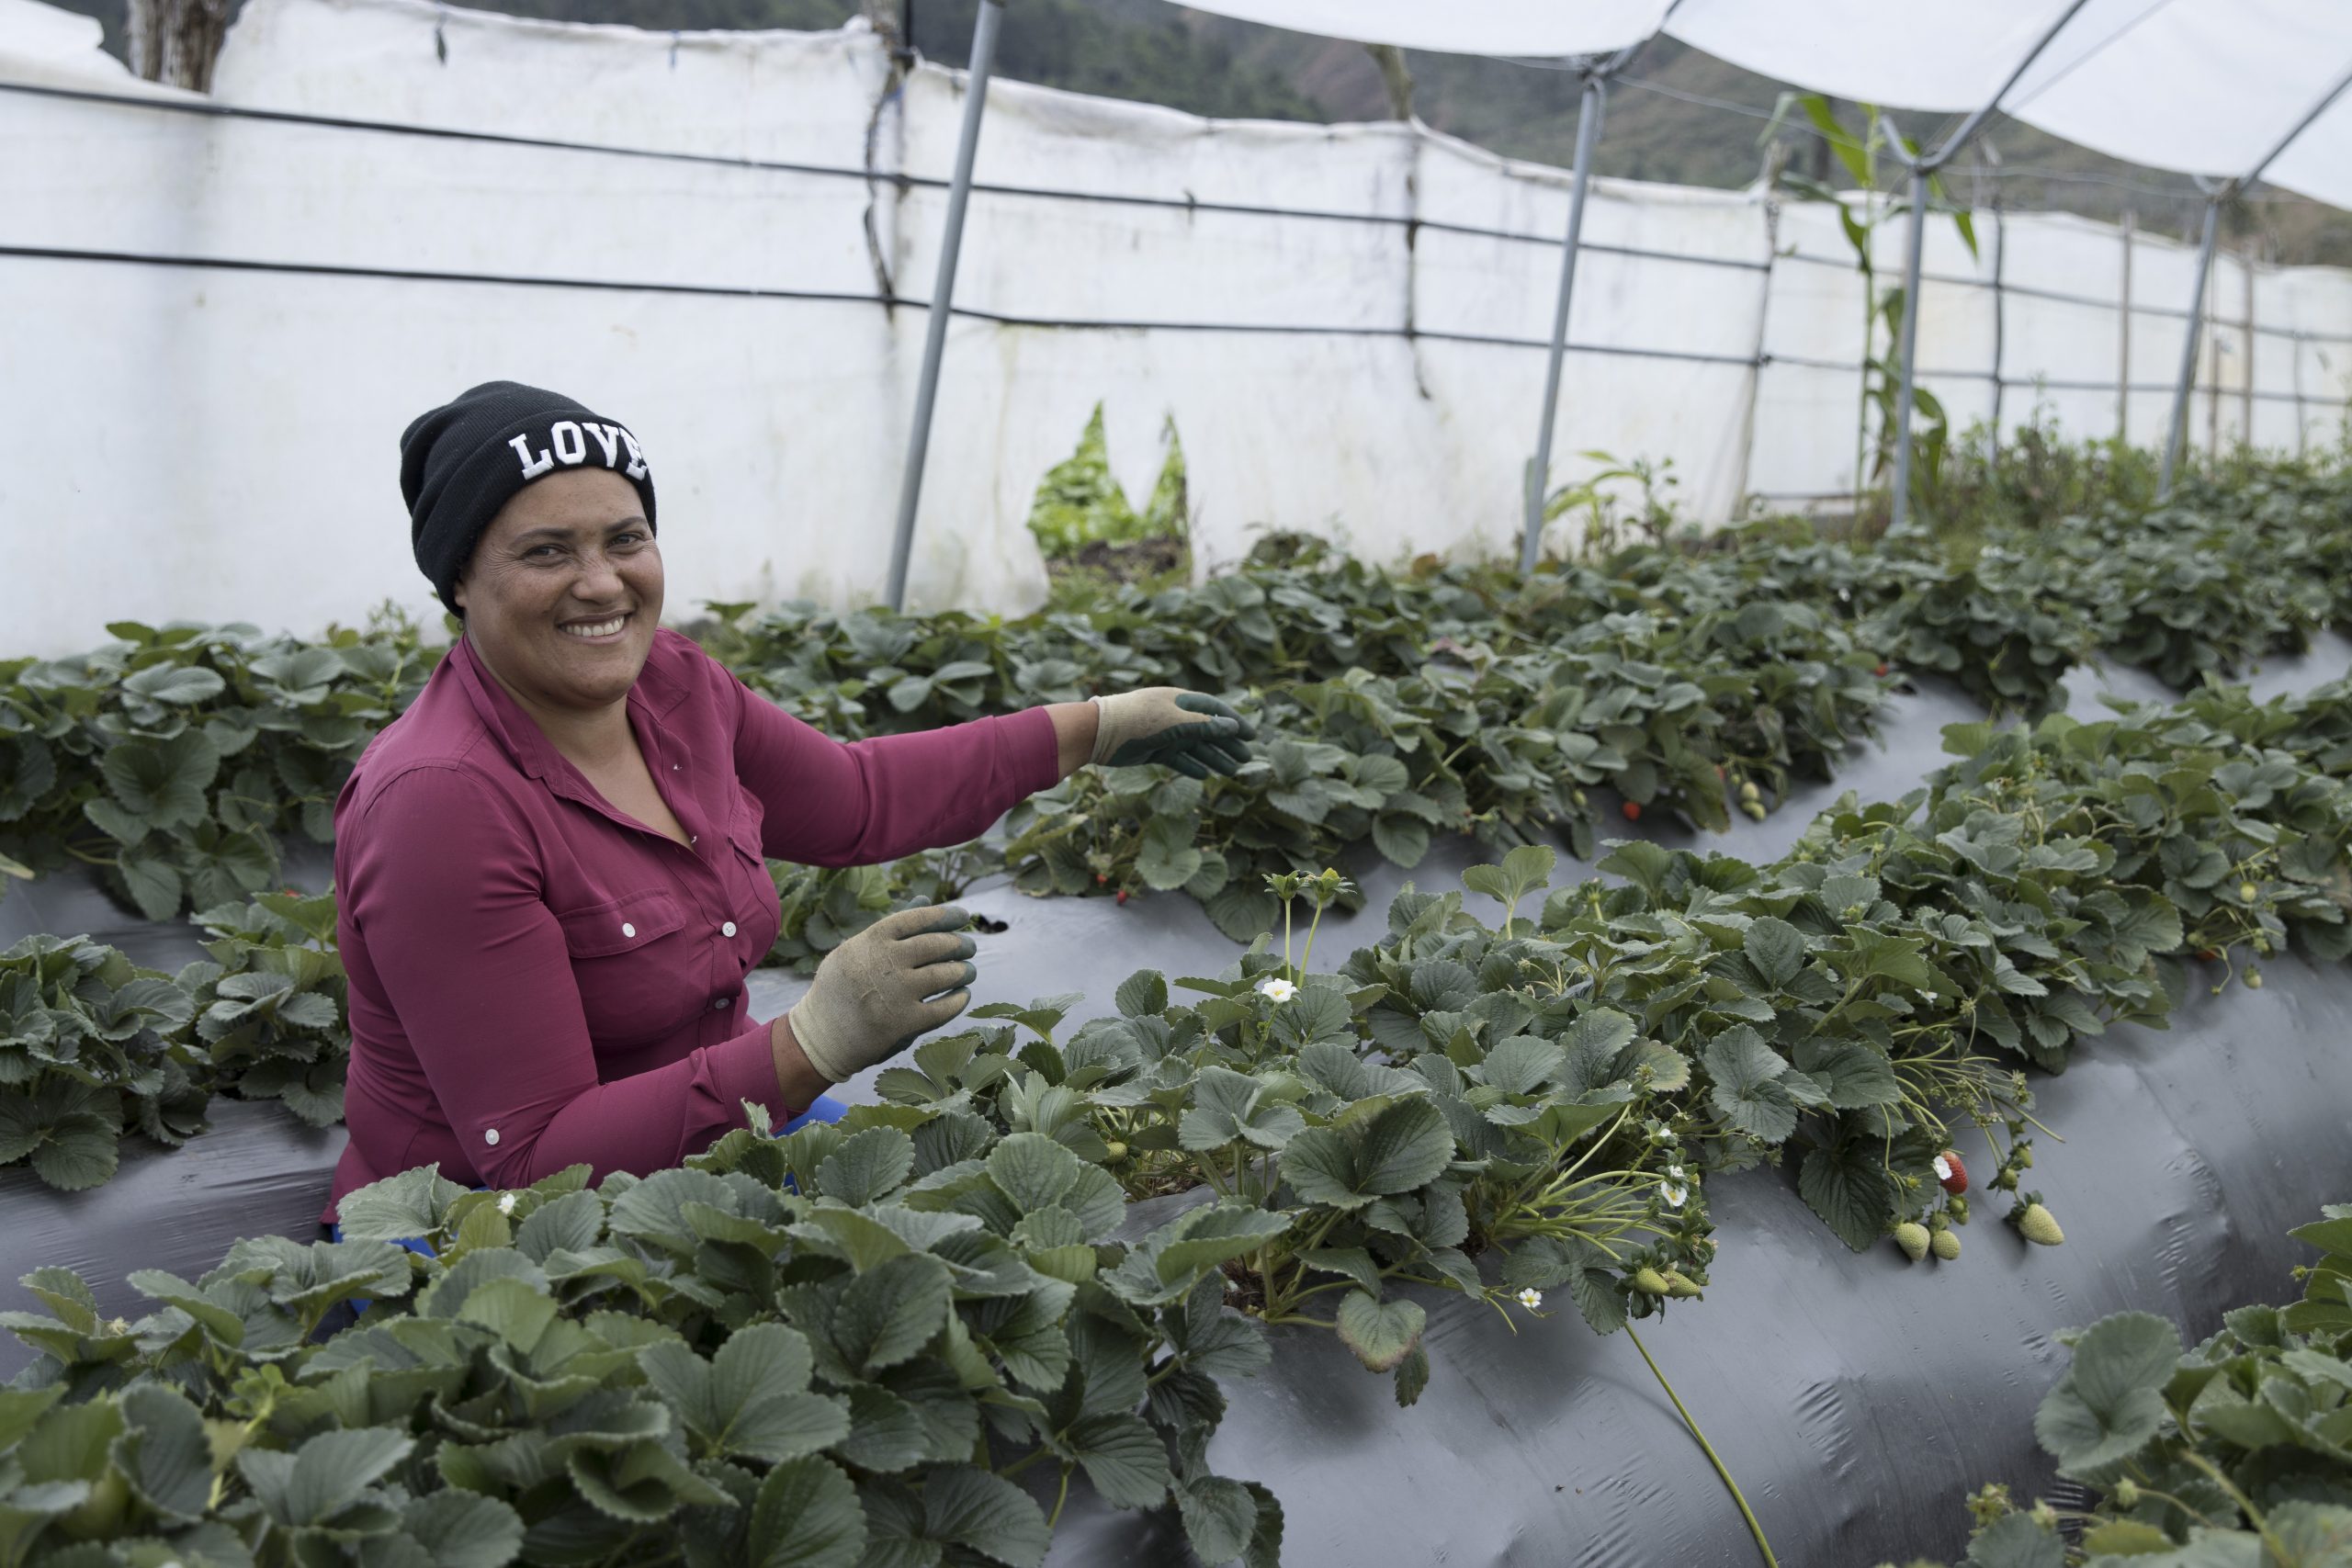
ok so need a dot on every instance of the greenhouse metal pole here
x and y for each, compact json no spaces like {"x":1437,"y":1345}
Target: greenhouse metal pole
{"x":943,"y":294}
{"x":2178,"y":431}
{"x":1923,"y":166}
{"x":2214,"y":196}
{"x":1589,"y":113}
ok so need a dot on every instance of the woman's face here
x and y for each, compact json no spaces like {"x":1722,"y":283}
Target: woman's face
{"x":570,"y":554}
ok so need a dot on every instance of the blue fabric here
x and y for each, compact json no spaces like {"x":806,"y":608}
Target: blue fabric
{"x":824,"y":1107}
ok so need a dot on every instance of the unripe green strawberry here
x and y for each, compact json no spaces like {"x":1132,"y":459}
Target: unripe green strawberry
{"x":2254,"y":979}
{"x":1945,"y":1244}
{"x":2025,"y":1157}
{"x":1755,"y":810}
{"x":1912,"y":1237}
{"x":1115,"y":1149}
{"x":2126,"y":1494}
{"x":1680,"y":1288}
{"x":1957,"y":1209}
{"x":2249,"y":892}
{"x":1747,"y":791}
{"x":1649,"y":1281}
{"x":1580,"y":797}
{"x":2039,"y":1226}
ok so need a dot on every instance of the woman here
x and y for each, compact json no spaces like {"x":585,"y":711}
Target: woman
{"x":551,"y":865}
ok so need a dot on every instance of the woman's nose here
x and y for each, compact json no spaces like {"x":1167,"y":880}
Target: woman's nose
{"x":600,"y":580}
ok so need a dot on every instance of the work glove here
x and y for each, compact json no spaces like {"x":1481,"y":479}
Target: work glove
{"x":1189,"y":731}
{"x":868,"y":1002}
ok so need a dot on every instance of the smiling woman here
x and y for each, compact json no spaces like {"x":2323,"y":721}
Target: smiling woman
{"x":552,"y":865}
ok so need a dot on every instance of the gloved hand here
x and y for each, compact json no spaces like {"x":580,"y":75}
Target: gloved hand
{"x":1189,"y":731}
{"x":867,"y":1001}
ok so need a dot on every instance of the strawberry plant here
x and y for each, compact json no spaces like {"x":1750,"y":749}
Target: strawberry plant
{"x":833,"y":1348}
{"x":174,"y":759}
{"x":89,"y":1047}
{"x":271,"y":1003}
{"x":1363,"y":1156}
{"x":2001,"y":624}
{"x":2230,"y":1451}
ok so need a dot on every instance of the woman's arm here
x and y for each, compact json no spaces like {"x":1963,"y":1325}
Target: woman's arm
{"x":865,"y":802}
{"x":1074,"y":729}
{"x":869,"y":801}
{"x":445,"y":891}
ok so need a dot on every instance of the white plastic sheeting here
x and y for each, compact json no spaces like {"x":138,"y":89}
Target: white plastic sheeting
{"x":41,"y":43}
{"x":2205,"y":86}
{"x":219,"y":321}
{"x":1534,"y":28}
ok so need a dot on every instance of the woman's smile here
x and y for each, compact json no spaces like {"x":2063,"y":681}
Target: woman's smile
{"x":607,"y":631}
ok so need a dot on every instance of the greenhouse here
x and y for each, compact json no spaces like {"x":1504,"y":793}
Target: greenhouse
{"x":1621,"y":873}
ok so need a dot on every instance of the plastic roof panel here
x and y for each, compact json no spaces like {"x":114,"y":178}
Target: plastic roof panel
{"x":1944,"y":55}
{"x":2204,"y":87}
{"x":1535,"y":29}
{"x":2208,"y":87}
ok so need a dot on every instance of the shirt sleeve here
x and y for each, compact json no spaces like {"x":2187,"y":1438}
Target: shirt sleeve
{"x":447,"y":893}
{"x":864,"y":802}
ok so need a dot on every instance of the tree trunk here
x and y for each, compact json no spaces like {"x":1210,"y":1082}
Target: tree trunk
{"x":1399,"y":80}
{"x":176,"y":41}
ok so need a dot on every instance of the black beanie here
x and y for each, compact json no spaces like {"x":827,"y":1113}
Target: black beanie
{"x":464,"y":460}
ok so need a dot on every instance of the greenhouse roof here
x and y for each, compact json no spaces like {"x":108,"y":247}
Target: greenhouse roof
{"x":2211,"y":87}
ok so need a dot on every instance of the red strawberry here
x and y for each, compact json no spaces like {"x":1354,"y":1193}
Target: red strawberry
{"x":1951,"y":1175}
{"x":2208,"y":955}
{"x":1881,"y":669}
{"x":1099,"y":879}
{"x":1123,"y":895}
{"x":1633,"y":811}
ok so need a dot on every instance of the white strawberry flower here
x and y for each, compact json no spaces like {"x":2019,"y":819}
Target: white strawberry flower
{"x":1533,"y":1300}
{"x":506,"y":1203}
{"x":1927,"y":996}
{"x":1676,"y":1188}
{"x":1277,"y":990}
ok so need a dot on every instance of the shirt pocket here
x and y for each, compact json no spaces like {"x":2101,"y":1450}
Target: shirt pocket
{"x":637,"y":977}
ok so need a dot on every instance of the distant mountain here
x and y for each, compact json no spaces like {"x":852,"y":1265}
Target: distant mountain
{"x":1678,"y":115}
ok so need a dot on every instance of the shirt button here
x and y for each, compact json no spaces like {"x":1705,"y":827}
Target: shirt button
{"x":491,"y":1136}
{"x":722,"y":1004}
{"x":627,"y":930}
{"x":727,"y":929}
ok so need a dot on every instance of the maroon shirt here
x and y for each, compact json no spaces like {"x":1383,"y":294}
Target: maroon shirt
{"x":540,"y":980}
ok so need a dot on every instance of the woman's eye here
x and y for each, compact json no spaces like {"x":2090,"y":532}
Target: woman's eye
{"x":534,"y":552}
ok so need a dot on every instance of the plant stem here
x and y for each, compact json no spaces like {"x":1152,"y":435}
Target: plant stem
{"x":1709,"y":1449}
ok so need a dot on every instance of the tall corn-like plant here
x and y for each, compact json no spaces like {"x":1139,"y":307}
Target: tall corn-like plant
{"x":1867,"y":155}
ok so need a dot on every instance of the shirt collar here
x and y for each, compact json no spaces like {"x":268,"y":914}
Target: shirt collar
{"x":519,"y":735}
